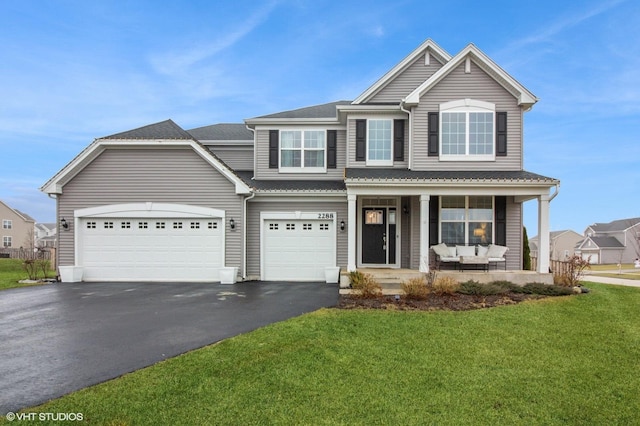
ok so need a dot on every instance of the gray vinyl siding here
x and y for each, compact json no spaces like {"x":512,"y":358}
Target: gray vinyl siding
{"x":479,"y":86}
{"x":514,"y":235}
{"x":238,"y":158}
{"x":263,"y":171}
{"x":253,"y":229}
{"x":351,"y":143}
{"x":150,"y":175}
{"x":405,"y":83}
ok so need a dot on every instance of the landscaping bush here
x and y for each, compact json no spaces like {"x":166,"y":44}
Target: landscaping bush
{"x":365,"y":285}
{"x":416,"y":289}
{"x":544,"y":289}
{"x":475,"y":288}
{"x":445,"y":285}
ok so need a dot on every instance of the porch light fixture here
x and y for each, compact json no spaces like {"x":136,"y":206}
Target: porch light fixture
{"x":342,"y":225}
{"x":232,"y":223}
{"x":64,"y":224}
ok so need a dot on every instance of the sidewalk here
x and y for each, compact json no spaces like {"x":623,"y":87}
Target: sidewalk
{"x":607,"y":280}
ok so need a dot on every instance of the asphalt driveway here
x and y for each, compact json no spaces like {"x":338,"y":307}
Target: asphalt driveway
{"x":58,"y":338}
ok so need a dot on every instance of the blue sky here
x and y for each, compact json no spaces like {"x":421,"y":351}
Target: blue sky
{"x":71,"y":71}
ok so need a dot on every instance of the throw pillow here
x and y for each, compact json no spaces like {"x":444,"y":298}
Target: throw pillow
{"x":496,"y":251}
{"x":466,"y":250}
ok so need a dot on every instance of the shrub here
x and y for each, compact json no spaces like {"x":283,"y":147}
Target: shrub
{"x":445,"y":285}
{"x":545,"y":289}
{"x":365,"y":285}
{"x":416,"y":288}
{"x":474,"y":288}
{"x":575,"y":269}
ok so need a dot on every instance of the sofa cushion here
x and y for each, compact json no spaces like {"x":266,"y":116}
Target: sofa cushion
{"x":482,"y":250}
{"x":452,"y":252}
{"x":441,"y":250}
{"x":466,"y":250}
{"x":496,"y":251}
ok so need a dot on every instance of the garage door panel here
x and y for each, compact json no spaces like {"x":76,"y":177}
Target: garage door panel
{"x":156,"y":250}
{"x":298,"y":249}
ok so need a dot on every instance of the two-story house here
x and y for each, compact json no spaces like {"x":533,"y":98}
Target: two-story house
{"x":17,"y":228}
{"x":562,"y":244}
{"x":431,"y":152}
{"x":612,"y":242}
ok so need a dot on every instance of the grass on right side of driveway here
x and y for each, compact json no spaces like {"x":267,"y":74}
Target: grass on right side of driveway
{"x":555,"y":361}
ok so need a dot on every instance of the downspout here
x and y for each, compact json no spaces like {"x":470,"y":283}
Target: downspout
{"x":244,"y":236}
{"x":410,"y":133}
{"x":244,"y":213}
{"x":555,"y":193}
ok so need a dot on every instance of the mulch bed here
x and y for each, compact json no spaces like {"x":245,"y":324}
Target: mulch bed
{"x":455,"y":302}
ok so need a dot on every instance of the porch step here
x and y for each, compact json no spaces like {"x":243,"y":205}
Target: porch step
{"x":387,"y":278}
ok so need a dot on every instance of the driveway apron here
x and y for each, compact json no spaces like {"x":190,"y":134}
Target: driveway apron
{"x":58,"y":338}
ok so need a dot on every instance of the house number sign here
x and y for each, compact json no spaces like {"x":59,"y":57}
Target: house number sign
{"x":325,"y":215}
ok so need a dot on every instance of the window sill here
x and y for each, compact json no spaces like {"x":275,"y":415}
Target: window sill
{"x":302,"y":170}
{"x":379,"y":163}
{"x":468,"y":158}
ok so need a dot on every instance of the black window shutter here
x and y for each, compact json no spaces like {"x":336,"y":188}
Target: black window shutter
{"x":361,"y":140}
{"x":332,"y":144}
{"x":434,"y":142}
{"x":398,"y":140}
{"x":434,"y":210}
{"x":501,"y":134}
{"x":273,"y":149}
{"x":501,"y":220}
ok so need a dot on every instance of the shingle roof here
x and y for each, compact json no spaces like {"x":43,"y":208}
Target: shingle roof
{"x":316,"y":111}
{"x":606,"y":242}
{"x":163,"y":130}
{"x":616,"y":225}
{"x":291,"y":185}
{"x":222,"y":132}
{"x":405,"y":174}
{"x":25,"y":216}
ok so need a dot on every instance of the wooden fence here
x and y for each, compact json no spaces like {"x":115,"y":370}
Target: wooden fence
{"x":27,"y":254}
{"x":557,"y":267}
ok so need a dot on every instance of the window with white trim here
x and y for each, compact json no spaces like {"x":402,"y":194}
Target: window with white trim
{"x":6,"y":242}
{"x":379,"y":142}
{"x":466,"y":220}
{"x":467,"y":130}
{"x":303,"y":151}
{"x":7,"y":224}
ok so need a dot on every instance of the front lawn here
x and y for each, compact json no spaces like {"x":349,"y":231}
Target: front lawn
{"x":562,"y":360}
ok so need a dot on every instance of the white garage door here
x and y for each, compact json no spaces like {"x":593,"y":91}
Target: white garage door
{"x":298,"y":249}
{"x":591,"y":257}
{"x":150,"y":248}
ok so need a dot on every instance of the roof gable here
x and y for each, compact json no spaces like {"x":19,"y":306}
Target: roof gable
{"x":472,"y":53}
{"x":615,"y":226}
{"x":166,"y":133}
{"x":18,"y":213}
{"x":429,"y":46}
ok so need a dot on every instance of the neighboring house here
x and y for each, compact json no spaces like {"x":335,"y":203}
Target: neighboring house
{"x":432,"y":152}
{"x":611,"y":243}
{"x":17,"y":229}
{"x":46,"y":234}
{"x":562,"y":244}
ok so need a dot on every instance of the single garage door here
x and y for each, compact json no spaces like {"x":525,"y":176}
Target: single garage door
{"x":298,"y":248}
{"x":151,"y":248}
{"x":593,"y":258}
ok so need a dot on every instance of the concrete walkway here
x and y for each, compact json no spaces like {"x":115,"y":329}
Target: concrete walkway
{"x":608,"y":280}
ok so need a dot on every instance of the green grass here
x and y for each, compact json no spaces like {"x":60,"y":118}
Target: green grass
{"x":556,"y":361}
{"x":11,"y":271}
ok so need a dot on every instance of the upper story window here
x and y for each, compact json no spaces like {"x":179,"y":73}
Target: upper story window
{"x":467,"y":131}
{"x":302,"y":150}
{"x":7,"y":224}
{"x":379,"y":142}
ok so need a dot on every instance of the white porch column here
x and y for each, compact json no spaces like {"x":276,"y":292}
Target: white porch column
{"x":543,"y":234}
{"x":351,"y":232}
{"x":424,"y":233}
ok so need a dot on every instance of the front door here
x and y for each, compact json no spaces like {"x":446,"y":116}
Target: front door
{"x":379,"y":235}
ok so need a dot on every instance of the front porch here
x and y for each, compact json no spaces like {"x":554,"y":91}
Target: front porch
{"x":391,"y":279}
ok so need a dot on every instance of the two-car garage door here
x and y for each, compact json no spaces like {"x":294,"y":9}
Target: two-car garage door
{"x":161,"y":243}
